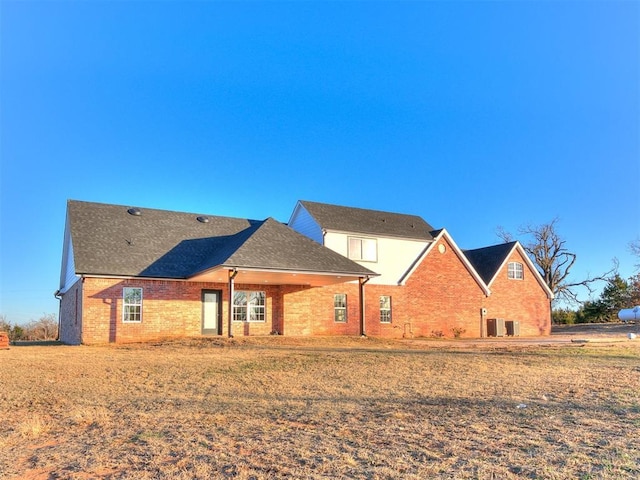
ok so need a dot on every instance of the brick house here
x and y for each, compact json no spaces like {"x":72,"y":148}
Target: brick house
{"x":131,"y":274}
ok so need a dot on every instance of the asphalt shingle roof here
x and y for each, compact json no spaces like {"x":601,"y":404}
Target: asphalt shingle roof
{"x":372,"y":222}
{"x":108,"y":240}
{"x":486,"y":261}
{"x":273,"y":245}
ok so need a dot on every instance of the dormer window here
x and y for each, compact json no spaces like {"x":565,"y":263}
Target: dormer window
{"x":515,"y":271}
{"x":365,"y":249}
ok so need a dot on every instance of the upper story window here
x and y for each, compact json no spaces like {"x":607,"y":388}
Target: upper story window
{"x":515,"y":270}
{"x":249,"y":306}
{"x":132,"y":305}
{"x":365,"y":249}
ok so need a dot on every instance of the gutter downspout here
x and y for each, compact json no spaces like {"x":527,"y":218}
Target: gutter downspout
{"x":362,"y":282}
{"x":232,"y":276}
{"x":58,"y":296}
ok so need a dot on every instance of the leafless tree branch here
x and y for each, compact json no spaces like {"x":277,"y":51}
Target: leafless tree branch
{"x":547,"y":249}
{"x":634,"y":248}
{"x":503,"y":234}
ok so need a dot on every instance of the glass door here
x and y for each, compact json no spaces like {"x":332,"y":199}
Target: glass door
{"x":211,"y":312}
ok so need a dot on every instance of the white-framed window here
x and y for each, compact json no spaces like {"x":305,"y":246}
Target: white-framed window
{"x":385,"y":309}
{"x":365,"y":249}
{"x":249,"y":306}
{"x":340,"y":307}
{"x":132,"y":304}
{"x":515,"y":271}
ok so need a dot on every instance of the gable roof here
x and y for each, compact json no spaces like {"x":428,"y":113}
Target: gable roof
{"x":372,"y":222}
{"x":109,"y":240}
{"x":489,"y":261}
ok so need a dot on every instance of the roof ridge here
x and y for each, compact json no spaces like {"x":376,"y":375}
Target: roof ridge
{"x":157,"y":210}
{"x":335,"y":205}
{"x":342,"y":218}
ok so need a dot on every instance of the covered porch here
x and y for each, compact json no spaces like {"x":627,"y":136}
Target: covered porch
{"x":275,"y":301}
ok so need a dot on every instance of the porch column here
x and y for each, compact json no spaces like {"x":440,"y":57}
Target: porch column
{"x":232,"y":276}
{"x":362,"y":282}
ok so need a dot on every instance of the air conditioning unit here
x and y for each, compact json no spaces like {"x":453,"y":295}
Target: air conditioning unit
{"x":512,"y":327}
{"x":495,"y":327}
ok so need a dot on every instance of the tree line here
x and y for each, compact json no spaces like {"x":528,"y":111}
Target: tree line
{"x":45,"y":328}
{"x":617,"y":294}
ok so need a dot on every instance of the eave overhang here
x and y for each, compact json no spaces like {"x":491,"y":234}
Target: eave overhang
{"x":258,"y":276}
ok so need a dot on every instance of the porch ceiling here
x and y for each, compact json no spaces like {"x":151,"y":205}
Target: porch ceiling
{"x":270,"y":277}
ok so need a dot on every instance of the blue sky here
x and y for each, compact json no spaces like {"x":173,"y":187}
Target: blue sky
{"x":472,"y":115}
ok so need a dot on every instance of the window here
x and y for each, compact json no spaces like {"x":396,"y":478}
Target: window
{"x":363,"y":249}
{"x":515,"y":271}
{"x":340,"y":307}
{"x":132,"y":305}
{"x":385,"y":309}
{"x":249,"y":306}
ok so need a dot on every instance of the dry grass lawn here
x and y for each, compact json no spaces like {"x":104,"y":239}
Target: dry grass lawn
{"x":320,"y":409}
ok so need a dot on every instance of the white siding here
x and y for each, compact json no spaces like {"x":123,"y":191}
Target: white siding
{"x":305,"y":224}
{"x":395,"y":255}
{"x":68,"y":270}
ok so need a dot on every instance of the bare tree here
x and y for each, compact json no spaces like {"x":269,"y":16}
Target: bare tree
{"x":45,"y":328}
{"x":5,"y":326}
{"x":634,"y":247}
{"x":554,"y":261}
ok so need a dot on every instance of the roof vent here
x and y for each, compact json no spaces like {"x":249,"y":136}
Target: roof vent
{"x":134,"y":211}
{"x":202,"y":219}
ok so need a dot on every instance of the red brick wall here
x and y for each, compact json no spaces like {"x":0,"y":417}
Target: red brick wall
{"x":174,"y":309}
{"x":296,"y":309}
{"x":70,"y":315}
{"x":400,"y":324}
{"x":323,"y":313}
{"x":310,"y":311}
{"x":522,"y":300}
{"x":170,"y":309}
{"x":442,"y":297}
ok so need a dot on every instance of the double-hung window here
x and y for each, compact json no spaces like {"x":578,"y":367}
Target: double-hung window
{"x":340,"y":307}
{"x":515,"y":271}
{"x":365,"y":249}
{"x":249,"y":306}
{"x":132,"y":305}
{"x":385,"y":309}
